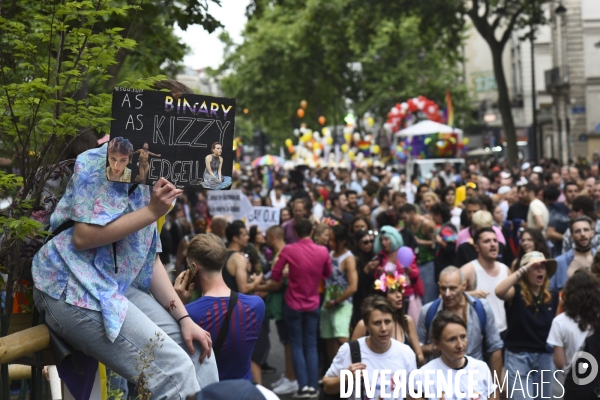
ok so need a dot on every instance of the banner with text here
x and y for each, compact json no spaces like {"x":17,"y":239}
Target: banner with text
{"x":187,"y":140}
{"x":232,"y":204}
{"x":264,"y":217}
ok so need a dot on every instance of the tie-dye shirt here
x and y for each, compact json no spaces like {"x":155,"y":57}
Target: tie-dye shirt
{"x":87,"y":277}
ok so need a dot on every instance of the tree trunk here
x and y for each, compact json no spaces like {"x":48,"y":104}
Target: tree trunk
{"x":504,"y":105}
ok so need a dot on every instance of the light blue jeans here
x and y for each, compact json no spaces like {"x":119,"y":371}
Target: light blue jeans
{"x":171,"y":371}
{"x":535,"y":371}
{"x":427,"y":272}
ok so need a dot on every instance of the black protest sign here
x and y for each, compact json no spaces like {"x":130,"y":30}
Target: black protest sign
{"x":188,"y":140}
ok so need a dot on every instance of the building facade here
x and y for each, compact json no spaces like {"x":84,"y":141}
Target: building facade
{"x":574,"y":79}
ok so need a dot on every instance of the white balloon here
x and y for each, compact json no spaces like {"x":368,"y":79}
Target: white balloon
{"x":404,"y":106}
{"x":356,"y":137}
{"x":296,"y":132}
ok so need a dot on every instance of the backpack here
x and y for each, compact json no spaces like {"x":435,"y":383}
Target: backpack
{"x":356,"y":358}
{"x":574,"y":391}
{"x":481,"y":315}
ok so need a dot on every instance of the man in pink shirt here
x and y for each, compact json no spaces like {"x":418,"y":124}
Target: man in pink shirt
{"x":308,"y":264}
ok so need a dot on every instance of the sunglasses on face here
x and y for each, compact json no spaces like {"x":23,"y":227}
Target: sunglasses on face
{"x":365,"y":242}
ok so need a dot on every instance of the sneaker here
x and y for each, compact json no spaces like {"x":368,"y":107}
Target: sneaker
{"x":313,"y":393}
{"x":286,"y":387}
{"x":304,"y":393}
{"x":278,"y":381}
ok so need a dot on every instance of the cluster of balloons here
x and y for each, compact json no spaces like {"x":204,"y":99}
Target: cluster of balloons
{"x":402,"y":110}
{"x":311,"y":140}
{"x":301,"y":112}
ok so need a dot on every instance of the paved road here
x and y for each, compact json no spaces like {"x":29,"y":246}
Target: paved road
{"x":276,"y":359}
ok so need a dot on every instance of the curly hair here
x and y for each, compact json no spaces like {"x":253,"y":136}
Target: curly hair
{"x":582,"y":300}
{"x":122,"y":146}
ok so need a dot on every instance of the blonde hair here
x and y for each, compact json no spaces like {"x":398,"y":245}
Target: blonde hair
{"x":208,"y":251}
{"x":320,"y":228}
{"x":431,"y":195}
{"x":482,"y":219}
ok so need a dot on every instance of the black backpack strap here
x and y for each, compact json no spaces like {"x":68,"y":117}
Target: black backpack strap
{"x":356,"y":358}
{"x":233,"y":298}
{"x":355,"y":351}
{"x":70,"y":223}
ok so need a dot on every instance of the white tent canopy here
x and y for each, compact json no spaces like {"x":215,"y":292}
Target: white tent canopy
{"x":427,"y":128}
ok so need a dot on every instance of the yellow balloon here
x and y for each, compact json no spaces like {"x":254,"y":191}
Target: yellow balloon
{"x":306,"y":137}
{"x":465,"y":141}
{"x":288,"y":142}
{"x":344,"y":148}
{"x":351,"y":155}
{"x":329,"y":140}
{"x":348,"y":137}
{"x":376,"y":149}
{"x":370,"y":121}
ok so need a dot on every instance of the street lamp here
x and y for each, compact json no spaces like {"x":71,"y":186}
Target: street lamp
{"x":560,"y":10}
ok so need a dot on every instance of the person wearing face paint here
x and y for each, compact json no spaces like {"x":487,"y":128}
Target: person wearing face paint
{"x":530,"y":308}
{"x":213,"y":177}
{"x":449,"y":333}
{"x":581,"y":256}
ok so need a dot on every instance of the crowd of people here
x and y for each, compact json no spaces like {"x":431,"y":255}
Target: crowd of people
{"x":487,"y":268}
{"x":495,"y":247}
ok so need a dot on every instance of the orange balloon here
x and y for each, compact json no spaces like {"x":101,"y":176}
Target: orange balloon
{"x":300,"y":113}
{"x":322,"y":120}
{"x":303,"y":104}
{"x":246,"y":111}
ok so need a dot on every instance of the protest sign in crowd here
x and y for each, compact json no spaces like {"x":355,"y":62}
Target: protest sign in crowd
{"x":485,"y":268}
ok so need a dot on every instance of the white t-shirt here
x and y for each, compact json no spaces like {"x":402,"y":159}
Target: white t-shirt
{"x":566,"y":333}
{"x":399,"y":357}
{"x":482,"y":381}
{"x":279,"y":204}
{"x":537,"y":207}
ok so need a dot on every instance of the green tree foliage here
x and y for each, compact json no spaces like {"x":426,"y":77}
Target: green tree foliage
{"x":496,"y":20}
{"x":158,"y":50}
{"x":374,"y":53}
{"x":58,"y":63}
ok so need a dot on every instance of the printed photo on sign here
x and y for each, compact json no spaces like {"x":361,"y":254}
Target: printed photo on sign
{"x":188,"y":140}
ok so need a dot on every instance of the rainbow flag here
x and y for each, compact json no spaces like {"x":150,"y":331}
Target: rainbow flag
{"x":268,"y":179}
{"x":364,"y":146}
{"x":449,"y":110}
